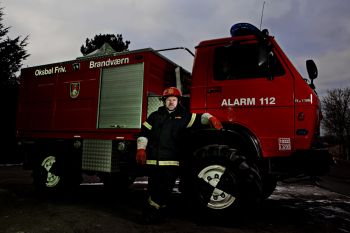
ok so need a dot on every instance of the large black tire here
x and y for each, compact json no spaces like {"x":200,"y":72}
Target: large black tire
{"x":52,"y":174}
{"x":269,"y":185}
{"x":221,"y":178}
{"x":45,"y":175}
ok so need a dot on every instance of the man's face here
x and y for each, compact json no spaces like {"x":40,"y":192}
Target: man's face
{"x":171,"y":103}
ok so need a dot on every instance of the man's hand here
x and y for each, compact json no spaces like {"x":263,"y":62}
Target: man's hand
{"x":215,"y":123}
{"x":141,"y":150}
{"x":141,"y":156}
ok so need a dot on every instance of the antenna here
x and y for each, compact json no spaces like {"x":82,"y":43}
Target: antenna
{"x":262,"y":15}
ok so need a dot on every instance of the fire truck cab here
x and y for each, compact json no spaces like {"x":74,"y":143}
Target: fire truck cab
{"x":271,"y":118}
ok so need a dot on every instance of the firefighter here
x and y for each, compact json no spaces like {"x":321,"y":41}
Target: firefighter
{"x":160,"y":139}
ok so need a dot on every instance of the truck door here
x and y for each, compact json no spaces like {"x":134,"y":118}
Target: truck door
{"x":250,"y":87}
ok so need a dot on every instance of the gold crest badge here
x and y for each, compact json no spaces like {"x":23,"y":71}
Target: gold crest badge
{"x":74,"y":89}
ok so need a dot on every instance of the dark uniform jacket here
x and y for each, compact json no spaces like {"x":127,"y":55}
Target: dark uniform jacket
{"x":164,"y":132}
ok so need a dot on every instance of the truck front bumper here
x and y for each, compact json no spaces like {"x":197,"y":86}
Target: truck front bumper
{"x":313,"y":162}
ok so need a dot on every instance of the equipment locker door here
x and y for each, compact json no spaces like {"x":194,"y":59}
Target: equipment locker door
{"x":120,"y":104}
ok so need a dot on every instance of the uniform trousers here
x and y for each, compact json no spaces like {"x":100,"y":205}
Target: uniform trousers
{"x":161,"y":181}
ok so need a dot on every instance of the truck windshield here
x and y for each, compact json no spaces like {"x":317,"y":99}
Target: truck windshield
{"x":241,"y":61}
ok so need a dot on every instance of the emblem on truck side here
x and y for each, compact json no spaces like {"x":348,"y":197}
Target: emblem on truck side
{"x":74,"y":89}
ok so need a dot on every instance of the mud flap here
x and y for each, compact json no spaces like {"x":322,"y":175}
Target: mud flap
{"x":319,"y":162}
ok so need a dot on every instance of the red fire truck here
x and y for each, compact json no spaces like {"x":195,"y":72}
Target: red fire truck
{"x":84,"y":115}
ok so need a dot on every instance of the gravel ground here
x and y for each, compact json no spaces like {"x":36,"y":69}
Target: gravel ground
{"x":293,"y":207}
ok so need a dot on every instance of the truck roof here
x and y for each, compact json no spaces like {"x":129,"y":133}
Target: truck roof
{"x":227,"y":40}
{"x":99,"y":56}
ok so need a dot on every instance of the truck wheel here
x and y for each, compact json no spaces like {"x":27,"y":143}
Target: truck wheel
{"x":269,"y":185}
{"x":50,"y":176}
{"x":224,"y":179}
{"x":45,"y":174}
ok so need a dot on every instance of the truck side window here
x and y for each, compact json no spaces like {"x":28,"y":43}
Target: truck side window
{"x":241,"y":61}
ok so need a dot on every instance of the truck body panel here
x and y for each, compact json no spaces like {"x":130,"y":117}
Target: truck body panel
{"x":100,"y":98}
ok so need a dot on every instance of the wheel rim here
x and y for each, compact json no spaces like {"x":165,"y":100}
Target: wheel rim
{"x":219,"y":199}
{"x":51,"y":179}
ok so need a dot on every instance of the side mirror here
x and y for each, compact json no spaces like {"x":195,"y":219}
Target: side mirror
{"x":311,"y":69}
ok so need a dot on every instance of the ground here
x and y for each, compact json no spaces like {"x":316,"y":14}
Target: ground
{"x":296,"y":206}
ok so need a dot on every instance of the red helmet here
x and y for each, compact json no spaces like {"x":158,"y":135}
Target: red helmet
{"x":171,"y":91}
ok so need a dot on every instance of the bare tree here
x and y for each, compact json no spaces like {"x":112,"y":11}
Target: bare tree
{"x":336,"y":117}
